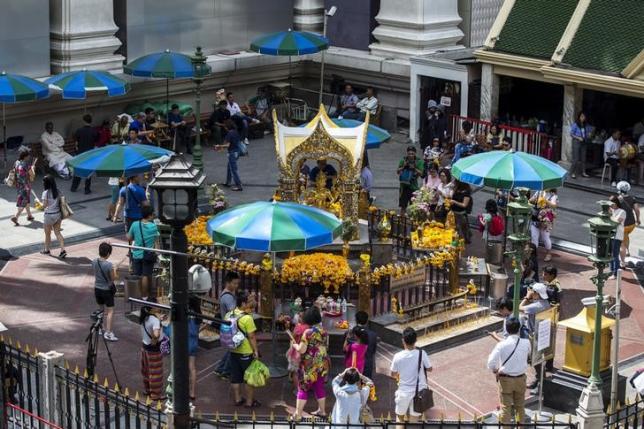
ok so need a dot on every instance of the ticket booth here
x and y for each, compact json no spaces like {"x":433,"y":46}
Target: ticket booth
{"x":580,"y":331}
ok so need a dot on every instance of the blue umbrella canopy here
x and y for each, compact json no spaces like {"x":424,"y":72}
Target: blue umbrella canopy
{"x":15,"y":88}
{"x":375,"y":135}
{"x":507,"y":170}
{"x":75,"y":85}
{"x":117,"y":160}
{"x":167,"y":64}
{"x":274,"y":227}
{"x":287,"y":43}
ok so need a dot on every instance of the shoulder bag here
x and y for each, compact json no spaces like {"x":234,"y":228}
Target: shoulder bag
{"x":508,"y":358}
{"x":65,"y":210}
{"x":10,"y":180}
{"x":424,"y":398}
{"x":148,"y":255}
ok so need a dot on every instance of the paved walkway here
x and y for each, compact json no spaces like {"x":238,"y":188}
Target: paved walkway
{"x":46,"y":302}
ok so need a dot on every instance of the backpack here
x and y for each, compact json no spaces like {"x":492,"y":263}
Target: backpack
{"x":496,"y":226}
{"x":231,"y":336}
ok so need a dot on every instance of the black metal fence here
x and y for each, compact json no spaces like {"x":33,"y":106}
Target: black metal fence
{"x":627,"y":416}
{"x":86,"y":404}
{"x":234,"y":422}
{"x":21,"y":380}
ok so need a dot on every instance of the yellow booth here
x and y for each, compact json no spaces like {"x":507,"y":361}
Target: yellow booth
{"x":580,"y":332}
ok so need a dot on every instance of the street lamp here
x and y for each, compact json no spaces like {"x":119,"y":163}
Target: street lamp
{"x":200,"y":70}
{"x":327,"y":13}
{"x":519,"y":212}
{"x":177,"y":185}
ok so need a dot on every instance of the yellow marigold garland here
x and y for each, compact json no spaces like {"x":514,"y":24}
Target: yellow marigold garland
{"x":324,"y":268}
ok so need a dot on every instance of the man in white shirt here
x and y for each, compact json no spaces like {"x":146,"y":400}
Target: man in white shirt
{"x":368,"y":104}
{"x":406,"y":369}
{"x":52,"y":149}
{"x":535,"y":301}
{"x":238,"y":117}
{"x":611,"y":154}
{"x":509,"y":362}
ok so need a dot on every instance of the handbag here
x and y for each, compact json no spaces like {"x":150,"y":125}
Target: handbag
{"x":65,"y":210}
{"x":424,"y":398}
{"x":148,"y":256}
{"x":10,"y":180}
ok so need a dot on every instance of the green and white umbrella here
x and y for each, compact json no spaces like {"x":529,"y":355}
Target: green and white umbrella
{"x":117,"y":160}
{"x":507,"y":170}
{"x":274,"y":227}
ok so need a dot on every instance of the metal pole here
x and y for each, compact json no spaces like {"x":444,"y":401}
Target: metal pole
{"x":326,"y":18}
{"x":615,"y":354}
{"x":516,"y":297}
{"x":597,"y":340}
{"x":197,"y":160}
{"x":179,"y":340}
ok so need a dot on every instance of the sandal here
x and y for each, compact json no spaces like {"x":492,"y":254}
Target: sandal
{"x":45,"y":252}
{"x":15,"y":221}
{"x":319,"y":415}
{"x":63,"y":254}
{"x":254,"y":404}
{"x":30,"y":218}
{"x":241,"y":402}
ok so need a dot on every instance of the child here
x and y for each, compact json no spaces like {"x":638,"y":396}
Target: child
{"x":104,"y":287}
{"x":355,"y":349}
{"x":292,"y":356}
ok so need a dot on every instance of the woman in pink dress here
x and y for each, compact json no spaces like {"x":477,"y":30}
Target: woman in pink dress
{"x":355,"y":348}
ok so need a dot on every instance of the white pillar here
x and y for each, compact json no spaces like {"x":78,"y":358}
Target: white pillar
{"x":591,"y":409}
{"x":82,"y":36}
{"x":489,"y":92}
{"x":308,"y":15}
{"x":410,"y":28}
{"x":571,"y":106}
{"x":47,"y":388}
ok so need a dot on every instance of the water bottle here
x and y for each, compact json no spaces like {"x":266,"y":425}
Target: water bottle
{"x":344,"y":306}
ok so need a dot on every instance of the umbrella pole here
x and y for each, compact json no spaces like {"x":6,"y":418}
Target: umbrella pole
{"x":167,"y":97}
{"x":275,"y":370}
{"x":4,"y":136}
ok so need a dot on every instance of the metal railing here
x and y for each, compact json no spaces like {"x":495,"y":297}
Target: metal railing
{"x":18,"y":418}
{"x":86,"y":404}
{"x":523,"y":139}
{"x":270,"y":422}
{"x":630,"y":415}
{"x":21,"y":379}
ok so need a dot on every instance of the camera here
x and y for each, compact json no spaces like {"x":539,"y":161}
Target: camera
{"x":96,"y":316}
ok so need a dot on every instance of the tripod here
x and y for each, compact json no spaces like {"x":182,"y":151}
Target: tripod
{"x":95,"y":331}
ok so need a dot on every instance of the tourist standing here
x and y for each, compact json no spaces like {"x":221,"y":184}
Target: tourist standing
{"x":243,"y":355}
{"x":314,"y":363}
{"x":611,"y":154}
{"x":151,"y":357}
{"x":232,"y":142}
{"x":86,"y":139}
{"x":104,"y":288}
{"x":461,"y":207}
{"x":227,"y":303}
{"x":410,"y":168}
{"x":618,"y":252}
{"x":444,"y":191}
{"x":509,"y":363}
{"x":362,"y":320}
{"x":580,"y":134}
{"x":504,"y":307}
{"x":355,"y":348}
{"x":24,"y":176}
{"x":131,"y":200}
{"x":535,"y":301}
{"x":632,"y":209}
{"x":144,"y":233}
{"x":194,"y":323}
{"x":409,"y":367}
{"x":351,"y":391}
{"x":52,"y":218}
{"x":491,"y":224}
{"x":543,"y":216}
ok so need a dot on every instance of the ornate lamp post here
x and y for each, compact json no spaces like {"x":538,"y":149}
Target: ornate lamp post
{"x":176,"y":186}
{"x":201,"y":70}
{"x":602,"y":231}
{"x":519,"y":212}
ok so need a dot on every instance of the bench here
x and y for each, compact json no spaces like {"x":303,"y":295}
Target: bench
{"x":36,"y":152}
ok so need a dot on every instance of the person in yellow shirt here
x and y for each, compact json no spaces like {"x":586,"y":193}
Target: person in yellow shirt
{"x":243,"y":355}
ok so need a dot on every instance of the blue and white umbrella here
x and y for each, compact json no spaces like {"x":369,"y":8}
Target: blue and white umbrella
{"x":76,"y":84}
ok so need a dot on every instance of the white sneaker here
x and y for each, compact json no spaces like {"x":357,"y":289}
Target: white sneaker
{"x":109,"y":336}
{"x":246,"y":142}
{"x":255,"y":121}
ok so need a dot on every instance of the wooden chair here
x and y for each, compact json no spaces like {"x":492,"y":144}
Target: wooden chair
{"x":375,"y":119}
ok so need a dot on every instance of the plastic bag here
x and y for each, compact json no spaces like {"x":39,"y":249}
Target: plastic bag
{"x":257,"y":374}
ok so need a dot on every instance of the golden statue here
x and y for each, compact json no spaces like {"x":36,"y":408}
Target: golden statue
{"x":322,"y":197}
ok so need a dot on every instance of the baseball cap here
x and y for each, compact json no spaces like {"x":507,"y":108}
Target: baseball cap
{"x":541,"y":289}
{"x":431,"y":103}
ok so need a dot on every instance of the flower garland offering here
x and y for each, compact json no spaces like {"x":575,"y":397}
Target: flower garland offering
{"x":419,"y":209}
{"x":196,"y":232}
{"x":324,"y":268}
{"x":432,"y":235}
{"x":217,"y":198}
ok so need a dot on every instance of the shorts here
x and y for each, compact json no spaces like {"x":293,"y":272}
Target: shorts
{"x":316,"y":387}
{"x":104,"y":297}
{"x":405,"y":404}
{"x":238,"y":365}
{"x":141,"y":267}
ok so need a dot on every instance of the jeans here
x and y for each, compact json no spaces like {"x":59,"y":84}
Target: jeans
{"x":614,"y":168}
{"x":76,"y":181}
{"x":231,"y":172}
{"x":224,"y":364}
{"x":615,"y":262}
{"x":242,"y":122}
{"x":536,"y":232}
{"x":360,"y":116}
{"x":578,"y":157}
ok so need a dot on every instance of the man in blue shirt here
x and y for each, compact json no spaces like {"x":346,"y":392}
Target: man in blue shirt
{"x":179,"y":129}
{"x":233,"y":143}
{"x":131,"y":199}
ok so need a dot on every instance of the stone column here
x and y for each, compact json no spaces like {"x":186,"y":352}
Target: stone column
{"x":47,"y":388}
{"x":82,"y":36}
{"x":489,"y":92}
{"x":410,"y":28}
{"x":571,"y":106}
{"x":591,"y":408}
{"x":308,"y":15}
